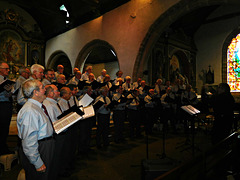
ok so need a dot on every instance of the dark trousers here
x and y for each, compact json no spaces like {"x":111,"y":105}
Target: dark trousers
{"x":6,"y":115}
{"x":102,"y":129}
{"x":85,"y":131}
{"x":70,"y":146}
{"x":118,"y":119}
{"x":59,"y":154}
{"x":46,"y":150}
{"x":134,"y":123}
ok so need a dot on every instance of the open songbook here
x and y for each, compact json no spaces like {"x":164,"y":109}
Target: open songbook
{"x":74,"y":114}
{"x":72,"y":117}
{"x":190,"y":109}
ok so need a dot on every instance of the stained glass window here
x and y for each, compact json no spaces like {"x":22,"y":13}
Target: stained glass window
{"x":233,"y":64}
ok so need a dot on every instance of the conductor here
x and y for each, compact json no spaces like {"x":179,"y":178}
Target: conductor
{"x":223,"y":105}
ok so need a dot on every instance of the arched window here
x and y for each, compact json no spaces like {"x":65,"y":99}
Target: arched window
{"x":233,"y":64}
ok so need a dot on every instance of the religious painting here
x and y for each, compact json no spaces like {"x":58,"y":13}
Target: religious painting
{"x":12,"y":48}
{"x":174,"y":70}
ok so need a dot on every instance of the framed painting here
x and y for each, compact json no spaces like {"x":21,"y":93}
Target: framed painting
{"x":12,"y":48}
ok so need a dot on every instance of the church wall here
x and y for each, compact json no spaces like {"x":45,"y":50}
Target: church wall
{"x":209,"y":41}
{"x":124,"y":28}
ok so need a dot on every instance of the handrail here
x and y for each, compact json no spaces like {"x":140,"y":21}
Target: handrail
{"x":203,"y":162}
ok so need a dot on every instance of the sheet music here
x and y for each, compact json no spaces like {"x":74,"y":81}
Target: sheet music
{"x":196,"y":111}
{"x":89,"y":112}
{"x":66,"y":121}
{"x":85,"y":101}
{"x":71,"y":118}
{"x":190,"y":109}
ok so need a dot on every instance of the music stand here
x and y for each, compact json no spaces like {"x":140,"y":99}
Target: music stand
{"x":192,"y":111}
{"x":163,"y":155}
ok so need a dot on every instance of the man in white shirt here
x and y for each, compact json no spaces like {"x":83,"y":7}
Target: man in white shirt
{"x":103,"y":74}
{"x":103,"y":118}
{"x":60,"y":69}
{"x":48,"y":77}
{"x":36,"y":73}
{"x":75,"y":79}
{"x":60,"y":157}
{"x":73,"y":99}
{"x":65,"y":95}
{"x":119,"y":115}
{"x":24,"y":74}
{"x":70,"y":146}
{"x":137,"y":84}
{"x":86,"y":74}
{"x":36,"y":133}
{"x":134,"y":114}
{"x":127,"y":86}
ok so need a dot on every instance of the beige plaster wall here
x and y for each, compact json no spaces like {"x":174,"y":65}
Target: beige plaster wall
{"x":124,"y":28}
{"x":209,"y":41}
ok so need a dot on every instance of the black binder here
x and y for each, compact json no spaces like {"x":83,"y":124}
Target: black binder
{"x":4,"y":83}
{"x":72,"y":109}
{"x":97,"y":105}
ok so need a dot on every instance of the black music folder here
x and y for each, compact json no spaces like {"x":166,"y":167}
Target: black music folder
{"x":72,"y":109}
{"x":4,"y":83}
{"x":97,"y":105}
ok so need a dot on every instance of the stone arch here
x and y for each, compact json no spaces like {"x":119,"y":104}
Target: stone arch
{"x":226,"y":43}
{"x":94,"y":46}
{"x":59,"y":57}
{"x":162,"y":24}
{"x":83,"y":54}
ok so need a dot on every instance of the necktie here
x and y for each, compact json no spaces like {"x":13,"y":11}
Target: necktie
{"x":4,"y":78}
{"x":45,"y":111}
{"x":104,"y":98}
{"x":59,"y":107}
{"x":128,"y":86}
{"x":74,"y":99}
{"x":68,"y":104}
